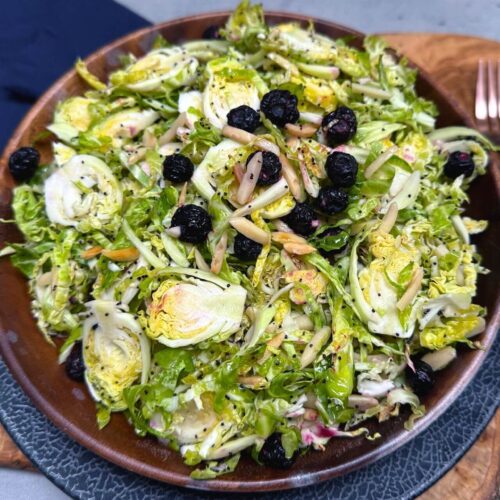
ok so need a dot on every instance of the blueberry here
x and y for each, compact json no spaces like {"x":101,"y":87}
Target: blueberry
{"x":342,"y":169}
{"x":422,"y":379}
{"x":332,"y":200}
{"x":194,"y":222}
{"x":459,"y":163}
{"x":211,"y":33}
{"x":339,"y":126}
{"x":272,"y":453}
{"x":270,"y":171}
{"x":74,"y":365}
{"x":23,"y":163}
{"x":245,"y":248}
{"x":243,"y":117}
{"x":280,"y":106}
{"x":177,"y":168}
{"x":302,"y":219}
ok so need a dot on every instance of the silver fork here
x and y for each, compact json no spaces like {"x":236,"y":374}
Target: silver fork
{"x":487,"y":107}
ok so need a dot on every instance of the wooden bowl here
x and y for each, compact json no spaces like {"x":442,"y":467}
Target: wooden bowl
{"x":33,"y":362}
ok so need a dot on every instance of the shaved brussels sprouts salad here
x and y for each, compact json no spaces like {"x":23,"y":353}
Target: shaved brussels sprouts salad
{"x":253,"y":241}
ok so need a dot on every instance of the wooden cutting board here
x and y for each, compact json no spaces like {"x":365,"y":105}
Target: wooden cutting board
{"x":452,"y":61}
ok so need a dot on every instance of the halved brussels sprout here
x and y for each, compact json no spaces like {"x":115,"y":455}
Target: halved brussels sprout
{"x":116,"y":353}
{"x":191,"y":424}
{"x":307,"y":45}
{"x":185,"y":312}
{"x":230,"y":85}
{"x":71,"y":117}
{"x":217,"y":157}
{"x":377,"y":288}
{"x":204,"y":50}
{"x":84,"y":194}
{"x":124,"y":124}
{"x":172,"y":66}
{"x":279,"y":208}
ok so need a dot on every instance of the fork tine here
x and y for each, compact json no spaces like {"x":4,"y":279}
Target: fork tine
{"x":481,"y":109}
{"x":492,"y":93}
{"x":498,"y":87}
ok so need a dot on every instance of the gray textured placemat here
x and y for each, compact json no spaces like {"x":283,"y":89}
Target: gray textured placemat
{"x":404,"y":474}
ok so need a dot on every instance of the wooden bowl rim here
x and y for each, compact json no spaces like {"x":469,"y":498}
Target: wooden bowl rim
{"x":220,"y":484}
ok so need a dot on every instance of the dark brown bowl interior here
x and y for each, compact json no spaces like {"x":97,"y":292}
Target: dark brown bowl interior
{"x":34,"y":362}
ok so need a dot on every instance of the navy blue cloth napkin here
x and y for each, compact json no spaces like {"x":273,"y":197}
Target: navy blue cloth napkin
{"x":41,"y":39}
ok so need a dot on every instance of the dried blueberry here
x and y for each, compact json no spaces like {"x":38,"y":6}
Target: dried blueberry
{"x":23,"y":163}
{"x":280,"y":106}
{"x":422,"y":379}
{"x":272,"y":453}
{"x":177,"y":168}
{"x":459,"y":163}
{"x":194,"y":223}
{"x":342,"y":169}
{"x":302,"y":219}
{"x":211,"y":33}
{"x":332,"y":200}
{"x":339,"y":126}
{"x":245,"y":248}
{"x":243,"y":117}
{"x":270,"y":171}
{"x":74,"y":365}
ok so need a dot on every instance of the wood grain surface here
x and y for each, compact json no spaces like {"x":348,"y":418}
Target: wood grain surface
{"x":452,"y":61}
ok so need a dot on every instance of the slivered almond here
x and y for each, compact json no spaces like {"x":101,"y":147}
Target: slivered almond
{"x":44,"y":279}
{"x":314,"y":346}
{"x":250,"y":312}
{"x":247,"y":138}
{"x":253,"y":382}
{"x":310,"y":414}
{"x":182,"y":195}
{"x":438,"y":360}
{"x":281,"y":226}
{"x":412,"y":290}
{"x":250,"y":178}
{"x":299,"y":248}
{"x":122,"y":254}
{"x":149,"y":139}
{"x":250,"y":230}
{"x":175,"y":231}
{"x":238,"y":171}
{"x":379,"y":161}
{"x":282,"y":237}
{"x":362,"y":402}
{"x":274,"y":343}
{"x":136,"y":156}
{"x":306,"y":130}
{"x":292,"y":178}
{"x":389,"y":219}
{"x":200,"y":261}
{"x":218,"y":257}
{"x":90,"y":253}
{"x":170,"y":134}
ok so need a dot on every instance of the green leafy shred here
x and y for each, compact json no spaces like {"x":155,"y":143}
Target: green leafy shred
{"x":212,"y":340}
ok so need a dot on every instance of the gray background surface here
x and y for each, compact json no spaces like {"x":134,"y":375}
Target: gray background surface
{"x":468,"y":17}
